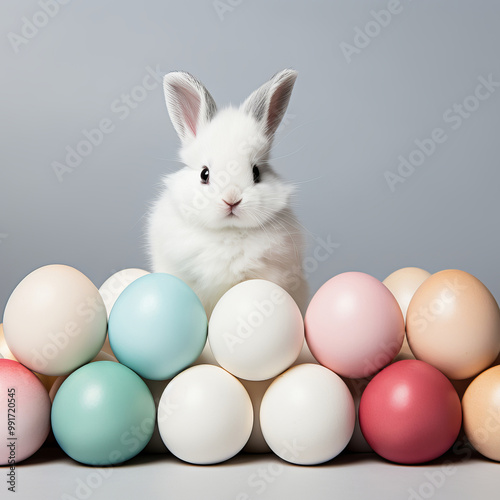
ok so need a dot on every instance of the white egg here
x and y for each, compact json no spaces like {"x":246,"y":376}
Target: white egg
{"x":205,"y":415}
{"x":307,"y":415}
{"x":256,"y":330}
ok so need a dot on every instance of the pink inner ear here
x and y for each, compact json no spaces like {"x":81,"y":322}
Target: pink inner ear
{"x":277,"y":103}
{"x":189,"y":102}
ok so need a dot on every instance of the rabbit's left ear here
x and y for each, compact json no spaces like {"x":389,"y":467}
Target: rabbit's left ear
{"x":269,"y":102}
{"x":189,"y":104}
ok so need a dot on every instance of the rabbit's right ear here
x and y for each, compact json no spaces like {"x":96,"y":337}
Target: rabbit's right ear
{"x":269,"y":102}
{"x":189,"y":104}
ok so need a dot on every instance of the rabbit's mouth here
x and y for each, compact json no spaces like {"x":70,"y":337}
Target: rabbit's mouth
{"x":232,"y":207}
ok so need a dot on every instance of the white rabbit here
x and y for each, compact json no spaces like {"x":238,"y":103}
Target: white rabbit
{"x":225,"y":217}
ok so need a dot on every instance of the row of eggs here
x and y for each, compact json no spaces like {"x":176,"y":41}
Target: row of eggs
{"x":157,"y":327}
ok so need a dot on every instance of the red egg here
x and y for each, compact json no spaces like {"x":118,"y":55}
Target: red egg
{"x":410,"y":413}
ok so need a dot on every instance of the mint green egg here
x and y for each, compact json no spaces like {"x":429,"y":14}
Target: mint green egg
{"x":103,"y":414}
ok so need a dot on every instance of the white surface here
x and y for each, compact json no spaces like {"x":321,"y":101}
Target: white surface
{"x":52,"y":475}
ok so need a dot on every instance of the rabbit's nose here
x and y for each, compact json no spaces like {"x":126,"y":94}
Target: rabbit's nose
{"x":232,"y":205}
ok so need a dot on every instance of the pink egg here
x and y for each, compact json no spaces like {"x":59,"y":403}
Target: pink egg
{"x":410,"y":413}
{"x":25,"y":406}
{"x":354,"y":325}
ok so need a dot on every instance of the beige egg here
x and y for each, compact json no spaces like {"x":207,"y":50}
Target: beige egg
{"x":55,"y":320}
{"x":256,"y":390}
{"x":481,"y":413}
{"x":453,"y":323}
{"x":403,"y":284}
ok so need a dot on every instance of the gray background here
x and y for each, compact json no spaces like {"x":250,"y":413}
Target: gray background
{"x":346,"y":125}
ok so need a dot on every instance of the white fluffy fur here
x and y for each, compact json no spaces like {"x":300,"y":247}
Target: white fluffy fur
{"x":191,"y":231}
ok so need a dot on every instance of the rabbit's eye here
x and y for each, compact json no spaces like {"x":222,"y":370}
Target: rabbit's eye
{"x":256,"y":174}
{"x":205,"y":175}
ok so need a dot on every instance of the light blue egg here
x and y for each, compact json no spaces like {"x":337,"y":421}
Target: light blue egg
{"x":158,"y":326}
{"x":103,"y":414}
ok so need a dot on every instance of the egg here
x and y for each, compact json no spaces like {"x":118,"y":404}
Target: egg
{"x":25,"y":406}
{"x":481,"y":413}
{"x":453,"y":323}
{"x":55,"y":320}
{"x":410,"y":413}
{"x":403,"y":283}
{"x":256,"y":330}
{"x":103,"y":414}
{"x":111,"y":289}
{"x":205,"y":415}
{"x":354,"y":325}
{"x":256,"y":390}
{"x":158,"y":326}
{"x":307,"y":415}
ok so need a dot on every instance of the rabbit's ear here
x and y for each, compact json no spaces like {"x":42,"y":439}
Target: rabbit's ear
{"x":189,"y":104}
{"x":269,"y":102}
